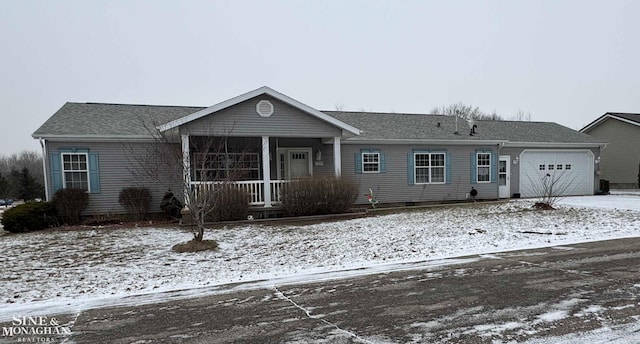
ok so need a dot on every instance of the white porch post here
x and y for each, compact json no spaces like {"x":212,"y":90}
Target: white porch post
{"x":337,"y":162}
{"x":186,"y":166}
{"x":266,"y":171}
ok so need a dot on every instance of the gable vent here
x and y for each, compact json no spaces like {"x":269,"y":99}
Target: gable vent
{"x":264,"y":108}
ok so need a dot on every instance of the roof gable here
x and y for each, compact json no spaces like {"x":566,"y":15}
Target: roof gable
{"x":255,"y":93}
{"x":631,"y":118}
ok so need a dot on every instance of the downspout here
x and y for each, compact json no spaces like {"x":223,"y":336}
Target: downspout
{"x":43,"y":144}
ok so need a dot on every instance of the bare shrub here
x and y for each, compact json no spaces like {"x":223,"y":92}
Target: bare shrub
{"x":231,"y":204}
{"x":319,"y":195}
{"x":70,"y":203}
{"x":550,"y":188}
{"x":136,"y":201}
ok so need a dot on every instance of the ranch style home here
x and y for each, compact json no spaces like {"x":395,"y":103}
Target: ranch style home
{"x":273,"y":139}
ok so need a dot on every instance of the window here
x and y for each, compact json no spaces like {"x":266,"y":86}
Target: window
{"x":483,"y":167}
{"x":542,"y":167}
{"x":226,"y":166}
{"x":75,"y":171}
{"x":567,"y":167}
{"x":559,"y":167}
{"x":550,"y":167}
{"x":429,"y":168}
{"x":370,"y":162}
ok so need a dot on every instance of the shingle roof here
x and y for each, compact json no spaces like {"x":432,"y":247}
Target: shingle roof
{"x":392,"y":126}
{"x":631,"y":117}
{"x":96,"y":119}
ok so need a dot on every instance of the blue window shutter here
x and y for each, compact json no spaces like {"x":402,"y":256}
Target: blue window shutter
{"x":474,"y":168}
{"x":358,"y":160}
{"x":94,"y":175}
{"x":447,"y":166}
{"x":56,"y":171}
{"x":383,"y":163}
{"x":494,"y":168}
{"x":410,"y":177}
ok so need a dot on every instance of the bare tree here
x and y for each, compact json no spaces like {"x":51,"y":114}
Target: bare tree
{"x":466,"y":112}
{"x":14,"y":164}
{"x":522,"y":116}
{"x":550,"y":187}
{"x":209,"y":170}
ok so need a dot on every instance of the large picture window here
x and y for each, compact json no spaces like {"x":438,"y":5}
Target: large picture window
{"x":483,"y":167}
{"x":429,"y":168}
{"x":226,"y":166}
{"x":75,"y":171}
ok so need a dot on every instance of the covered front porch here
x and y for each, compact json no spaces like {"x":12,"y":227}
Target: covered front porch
{"x":260,"y":166}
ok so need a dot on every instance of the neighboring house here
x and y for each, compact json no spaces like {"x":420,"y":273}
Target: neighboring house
{"x":273,"y":139}
{"x":620,"y":160}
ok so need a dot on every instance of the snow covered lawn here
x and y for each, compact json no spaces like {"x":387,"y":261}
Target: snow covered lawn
{"x":58,"y":266}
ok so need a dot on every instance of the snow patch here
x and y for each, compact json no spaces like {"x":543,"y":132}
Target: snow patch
{"x":80,"y":269}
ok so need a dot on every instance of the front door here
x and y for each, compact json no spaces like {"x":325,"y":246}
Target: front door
{"x":299,"y":163}
{"x":504,"y":176}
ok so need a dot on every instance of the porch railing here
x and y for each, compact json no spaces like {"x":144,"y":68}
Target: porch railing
{"x":254,"y":188}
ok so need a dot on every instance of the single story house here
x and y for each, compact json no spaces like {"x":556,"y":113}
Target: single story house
{"x":273,"y":139}
{"x":620,"y":160}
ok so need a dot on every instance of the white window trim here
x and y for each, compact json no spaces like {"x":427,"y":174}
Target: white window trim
{"x":362,"y":154}
{"x":64,"y":171}
{"x":415,"y":167}
{"x":478,"y":167}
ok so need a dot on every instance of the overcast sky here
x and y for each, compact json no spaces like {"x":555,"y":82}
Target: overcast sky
{"x":562,"y":61}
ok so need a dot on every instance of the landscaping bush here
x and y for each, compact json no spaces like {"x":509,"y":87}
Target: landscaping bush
{"x":30,"y":216}
{"x":231,"y":204}
{"x":171,"y":205}
{"x":70,"y":203}
{"x":319,"y":195}
{"x":136,"y":201}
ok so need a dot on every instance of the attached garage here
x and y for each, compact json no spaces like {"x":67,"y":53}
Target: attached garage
{"x":570,"y":171}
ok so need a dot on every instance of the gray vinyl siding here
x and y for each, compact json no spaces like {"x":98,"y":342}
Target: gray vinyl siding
{"x":393,"y":186}
{"x":116,"y":164}
{"x":620,"y":160}
{"x":242,"y":120}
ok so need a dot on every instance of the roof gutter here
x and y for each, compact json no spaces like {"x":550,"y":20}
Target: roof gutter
{"x":356,"y":141}
{"x":102,"y":138}
{"x":553,"y":144}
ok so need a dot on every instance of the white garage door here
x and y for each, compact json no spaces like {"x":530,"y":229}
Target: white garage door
{"x":569,"y":172}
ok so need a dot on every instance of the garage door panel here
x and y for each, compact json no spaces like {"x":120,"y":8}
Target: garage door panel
{"x":570,"y":172}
